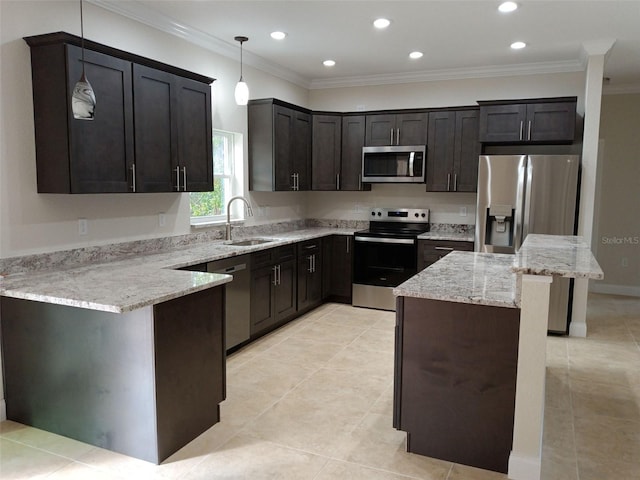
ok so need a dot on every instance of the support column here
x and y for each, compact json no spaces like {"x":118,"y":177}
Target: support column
{"x":525,"y":461}
{"x":596,"y":52}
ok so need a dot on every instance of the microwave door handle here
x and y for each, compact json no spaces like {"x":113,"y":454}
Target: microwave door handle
{"x":411,"y":157}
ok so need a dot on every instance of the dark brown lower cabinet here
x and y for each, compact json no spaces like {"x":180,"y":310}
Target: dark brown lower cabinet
{"x":309,"y":274}
{"x":455,"y":380}
{"x":273,"y":288}
{"x":142,"y":383}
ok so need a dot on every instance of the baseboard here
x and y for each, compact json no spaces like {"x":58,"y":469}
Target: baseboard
{"x":607,"y":288}
{"x":3,"y":410}
{"x":578,"y":329}
{"x":524,"y":467}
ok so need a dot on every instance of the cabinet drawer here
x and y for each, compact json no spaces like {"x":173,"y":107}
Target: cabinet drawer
{"x":308,"y":247}
{"x":262,"y":259}
{"x":430,"y":251}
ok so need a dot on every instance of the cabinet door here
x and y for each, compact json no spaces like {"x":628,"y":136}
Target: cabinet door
{"x":326,"y":147}
{"x":262,"y":295}
{"x":156,"y":130}
{"x":309,"y":280}
{"x":502,"y":123}
{"x":283,"y":121}
{"x":301,"y":160}
{"x":341,"y":267}
{"x":380,"y":130}
{"x":467,"y":151}
{"x":285,"y":299}
{"x":551,"y":122}
{"x":440,"y":151}
{"x":411,"y":129}
{"x":101,"y":150}
{"x":353,"y":133}
{"x":194,"y":135}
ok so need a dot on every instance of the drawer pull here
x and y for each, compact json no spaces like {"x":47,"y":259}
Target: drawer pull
{"x":448,"y":249}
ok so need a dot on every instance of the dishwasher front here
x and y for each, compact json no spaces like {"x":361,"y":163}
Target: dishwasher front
{"x":237,"y":301}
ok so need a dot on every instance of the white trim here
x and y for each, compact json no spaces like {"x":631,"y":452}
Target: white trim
{"x":537,"y":278}
{"x":3,"y":410}
{"x":523,"y":467}
{"x":608,"y":288}
{"x":578,"y":329}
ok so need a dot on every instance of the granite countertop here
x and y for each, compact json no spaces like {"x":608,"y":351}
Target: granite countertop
{"x":450,"y":236}
{"x":565,"y":256}
{"x":132,"y":283}
{"x":466,"y":277}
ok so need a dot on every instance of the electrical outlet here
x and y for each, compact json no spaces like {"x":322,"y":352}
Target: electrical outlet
{"x":83,"y":226}
{"x":625,"y":262}
{"x":463,"y":211}
{"x":357,"y":208}
{"x":162,"y":220}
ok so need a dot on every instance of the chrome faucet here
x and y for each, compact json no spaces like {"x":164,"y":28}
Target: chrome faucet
{"x":249,"y":213}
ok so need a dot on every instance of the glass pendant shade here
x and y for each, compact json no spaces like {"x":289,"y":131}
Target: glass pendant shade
{"x":242,"y":92}
{"x":83,"y":99}
{"x":242,"y":89}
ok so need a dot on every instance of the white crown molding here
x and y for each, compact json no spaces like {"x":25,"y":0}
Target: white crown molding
{"x":140,"y":13}
{"x":453,"y":74}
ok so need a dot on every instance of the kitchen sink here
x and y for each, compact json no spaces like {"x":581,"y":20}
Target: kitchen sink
{"x":250,"y":241}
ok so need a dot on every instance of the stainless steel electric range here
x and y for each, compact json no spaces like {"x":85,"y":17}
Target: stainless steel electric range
{"x":386,"y":255}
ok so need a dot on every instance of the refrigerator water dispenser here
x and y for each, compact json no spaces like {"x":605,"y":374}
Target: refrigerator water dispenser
{"x":500,"y":226}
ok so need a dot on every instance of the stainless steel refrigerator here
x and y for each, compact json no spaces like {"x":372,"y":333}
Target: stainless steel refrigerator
{"x":522,"y":194}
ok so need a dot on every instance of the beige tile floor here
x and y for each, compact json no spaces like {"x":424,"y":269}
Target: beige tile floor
{"x":313,"y":400}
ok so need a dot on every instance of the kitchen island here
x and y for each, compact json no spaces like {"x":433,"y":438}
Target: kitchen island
{"x":490,"y":360}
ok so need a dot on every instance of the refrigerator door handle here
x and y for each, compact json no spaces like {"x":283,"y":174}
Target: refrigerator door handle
{"x":523,"y":172}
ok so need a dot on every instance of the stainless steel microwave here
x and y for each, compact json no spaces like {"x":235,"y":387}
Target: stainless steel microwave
{"x":394,"y":164}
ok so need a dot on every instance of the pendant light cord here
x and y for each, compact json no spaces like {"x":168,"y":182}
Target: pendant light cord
{"x":82,"y":36}
{"x":241,"y":60}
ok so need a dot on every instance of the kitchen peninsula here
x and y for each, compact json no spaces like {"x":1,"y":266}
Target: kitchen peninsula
{"x":127,"y":355}
{"x":470,"y":353}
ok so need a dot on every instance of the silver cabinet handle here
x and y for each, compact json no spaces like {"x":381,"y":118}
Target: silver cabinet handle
{"x":521,"y":128}
{"x":448,"y":181}
{"x":359,"y":181}
{"x":529,"y":131}
{"x":310,"y":259}
{"x":397,"y":136}
{"x":275,"y":275}
{"x":293,"y":181}
{"x":391,"y":137}
{"x":279,"y":275}
{"x":337,"y":181}
{"x":297,"y":181}
{"x":184,"y":179}
{"x":348,"y":244}
{"x":455,"y":182}
{"x":133,"y":177}
{"x":314,"y":263}
{"x":448,"y":249}
{"x":177,"y":178}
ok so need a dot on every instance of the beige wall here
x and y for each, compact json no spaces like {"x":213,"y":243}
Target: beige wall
{"x":32,"y":222}
{"x":618,"y":221}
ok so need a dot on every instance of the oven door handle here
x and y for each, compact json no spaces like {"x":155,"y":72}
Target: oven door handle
{"x":402,"y":241}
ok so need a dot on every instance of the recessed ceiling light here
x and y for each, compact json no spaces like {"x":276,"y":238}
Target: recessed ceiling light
{"x":381,"y":23}
{"x":278,"y":35}
{"x":329,"y":63}
{"x":507,"y":7}
{"x":415,"y":55}
{"x":518,"y":45}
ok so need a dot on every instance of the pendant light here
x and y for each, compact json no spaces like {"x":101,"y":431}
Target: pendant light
{"x":242,"y":90}
{"x":83,"y":100}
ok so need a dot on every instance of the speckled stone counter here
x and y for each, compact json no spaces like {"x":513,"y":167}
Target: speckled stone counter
{"x":565,"y":256}
{"x":143,"y":280}
{"x":465,"y":277}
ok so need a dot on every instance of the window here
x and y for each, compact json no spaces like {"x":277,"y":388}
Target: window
{"x":208,"y":207}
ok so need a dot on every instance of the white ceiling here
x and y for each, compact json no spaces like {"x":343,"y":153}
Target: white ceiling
{"x":460,"y":39}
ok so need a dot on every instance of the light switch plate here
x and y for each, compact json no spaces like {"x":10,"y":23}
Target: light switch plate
{"x":83,"y":226}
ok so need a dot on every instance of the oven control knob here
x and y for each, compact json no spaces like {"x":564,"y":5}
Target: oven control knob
{"x":373,"y":213}
{"x":424,"y":215}
{"x":379,"y":214}
{"x":417,"y":215}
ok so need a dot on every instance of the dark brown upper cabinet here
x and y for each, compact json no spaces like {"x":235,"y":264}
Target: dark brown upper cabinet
{"x":336,"y":160}
{"x":546,"y":120}
{"x":279,"y":146}
{"x":452,"y":151}
{"x":152,"y":126}
{"x":396,"y":129}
